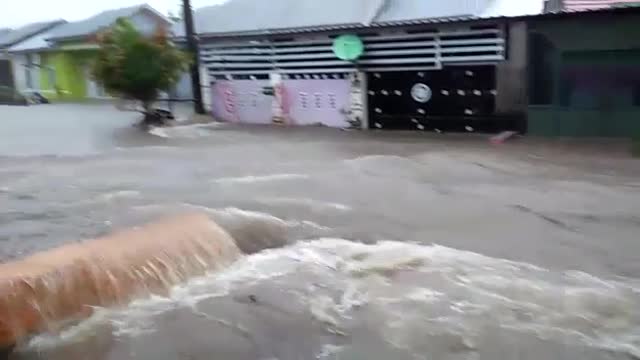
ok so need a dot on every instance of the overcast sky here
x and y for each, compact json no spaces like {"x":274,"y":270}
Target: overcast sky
{"x":20,"y":12}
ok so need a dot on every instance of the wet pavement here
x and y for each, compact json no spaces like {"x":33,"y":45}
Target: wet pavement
{"x":382,"y":245}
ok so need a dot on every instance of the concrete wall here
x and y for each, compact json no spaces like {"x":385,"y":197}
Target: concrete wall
{"x":511,"y":75}
{"x":605,"y":32}
{"x":562,"y":121}
{"x":183,"y":90}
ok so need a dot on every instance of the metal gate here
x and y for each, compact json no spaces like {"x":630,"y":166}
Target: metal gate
{"x":456,"y":98}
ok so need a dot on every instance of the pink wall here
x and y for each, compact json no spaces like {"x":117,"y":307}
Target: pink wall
{"x":303,"y":102}
{"x":318,"y":101}
{"x":241,"y":101}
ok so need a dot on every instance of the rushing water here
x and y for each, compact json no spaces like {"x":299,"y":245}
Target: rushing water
{"x":359,"y":246}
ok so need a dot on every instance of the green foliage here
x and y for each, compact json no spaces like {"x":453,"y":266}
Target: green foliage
{"x":136,"y":67}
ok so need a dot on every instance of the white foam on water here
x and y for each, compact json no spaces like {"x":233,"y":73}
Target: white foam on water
{"x":242,"y":217}
{"x":159,"y":132}
{"x":121,"y":194}
{"x":330,"y":351}
{"x":72,"y":334}
{"x":252,"y":179}
{"x":190,"y":131}
{"x":416,"y":296}
{"x":306,"y":202}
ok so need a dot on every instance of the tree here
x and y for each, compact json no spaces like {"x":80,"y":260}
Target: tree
{"x":136,"y":67}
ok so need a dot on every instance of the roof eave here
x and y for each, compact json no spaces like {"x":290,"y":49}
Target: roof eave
{"x":439,"y":20}
{"x":282,"y":31}
{"x":32,"y":50}
{"x":28,"y":36}
{"x":68,"y":38}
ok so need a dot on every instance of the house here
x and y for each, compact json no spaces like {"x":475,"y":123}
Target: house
{"x":426,"y":65}
{"x":65,"y":53}
{"x":584,"y":70}
{"x":8,"y":38}
{"x":25,"y":57}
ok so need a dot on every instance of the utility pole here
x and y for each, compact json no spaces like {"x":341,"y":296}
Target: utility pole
{"x":192,"y":44}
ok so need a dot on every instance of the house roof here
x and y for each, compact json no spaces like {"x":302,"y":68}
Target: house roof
{"x":403,"y":10}
{"x":97,"y":22}
{"x":586,"y":5}
{"x":35,"y":43}
{"x":15,"y":36}
{"x":250,"y":16}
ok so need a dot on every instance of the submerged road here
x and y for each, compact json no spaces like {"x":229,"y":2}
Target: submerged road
{"x":362,"y":245}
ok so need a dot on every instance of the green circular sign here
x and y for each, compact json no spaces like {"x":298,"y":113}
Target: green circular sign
{"x":348,"y":47}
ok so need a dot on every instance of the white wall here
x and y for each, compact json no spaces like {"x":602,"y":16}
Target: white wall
{"x":183,"y":89}
{"x":19,"y":79}
{"x":20,"y":70}
{"x":205,"y":83}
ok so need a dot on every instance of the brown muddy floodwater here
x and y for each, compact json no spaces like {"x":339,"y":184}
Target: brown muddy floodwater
{"x":360,"y":245}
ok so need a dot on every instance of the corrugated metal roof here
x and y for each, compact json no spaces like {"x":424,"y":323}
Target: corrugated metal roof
{"x":585,"y":5}
{"x":403,"y":10}
{"x":95,"y":23}
{"x":239,"y":17}
{"x":251,"y":15}
{"x":15,"y":36}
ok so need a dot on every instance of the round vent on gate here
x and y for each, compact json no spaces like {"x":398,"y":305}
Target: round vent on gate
{"x":421,"y":93}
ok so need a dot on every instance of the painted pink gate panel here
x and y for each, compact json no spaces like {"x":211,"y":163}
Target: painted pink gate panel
{"x":317,"y":101}
{"x":241,"y":101}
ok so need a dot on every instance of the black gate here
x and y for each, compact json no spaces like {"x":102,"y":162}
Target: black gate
{"x":456,"y":98}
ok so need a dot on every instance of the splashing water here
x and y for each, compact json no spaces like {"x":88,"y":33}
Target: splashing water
{"x":418,"y":301}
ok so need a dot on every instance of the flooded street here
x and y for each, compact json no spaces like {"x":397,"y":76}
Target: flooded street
{"x":360,"y":245}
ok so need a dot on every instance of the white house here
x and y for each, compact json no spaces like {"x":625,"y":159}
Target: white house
{"x":13,"y":70}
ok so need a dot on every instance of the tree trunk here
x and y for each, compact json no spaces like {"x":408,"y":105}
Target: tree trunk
{"x":155,"y":117}
{"x":150,"y":118}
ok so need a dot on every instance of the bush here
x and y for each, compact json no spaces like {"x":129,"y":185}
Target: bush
{"x":135,"y":67}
